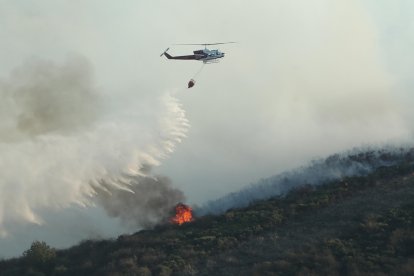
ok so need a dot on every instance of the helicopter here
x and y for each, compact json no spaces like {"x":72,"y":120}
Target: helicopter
{"x":205,"y":55}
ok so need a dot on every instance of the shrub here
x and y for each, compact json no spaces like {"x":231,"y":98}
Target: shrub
{"x":39,"y":253}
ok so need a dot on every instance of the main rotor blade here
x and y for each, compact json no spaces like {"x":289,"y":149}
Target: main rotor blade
{"x":206,"y":44}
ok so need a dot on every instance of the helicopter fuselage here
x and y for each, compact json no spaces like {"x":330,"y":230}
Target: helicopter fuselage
{"x":204,"y":55}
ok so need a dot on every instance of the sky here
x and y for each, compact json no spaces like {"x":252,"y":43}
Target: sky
{"x":85,"y":96}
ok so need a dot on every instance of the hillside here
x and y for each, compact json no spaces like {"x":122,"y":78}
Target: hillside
{"x":353,"y":225}
{"x":355,"y":162}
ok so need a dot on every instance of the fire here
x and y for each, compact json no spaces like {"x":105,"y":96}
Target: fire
{"x":183,"y":214}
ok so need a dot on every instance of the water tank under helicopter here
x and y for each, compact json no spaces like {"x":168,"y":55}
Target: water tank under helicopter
{"x":191,"y":83}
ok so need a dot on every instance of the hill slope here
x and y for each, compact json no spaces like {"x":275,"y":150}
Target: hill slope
{"x":355,"y":162}
{"x":353,"y":225}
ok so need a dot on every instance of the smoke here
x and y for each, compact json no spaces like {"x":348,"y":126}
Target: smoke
{"x":337,"y":166}
{"x":61,"y":140}
{"x":306,"y":80}
{"x":147,"y":202}
{"x":41,"y":98}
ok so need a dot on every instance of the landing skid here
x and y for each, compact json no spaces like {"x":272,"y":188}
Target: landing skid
{"x":211,"y":61}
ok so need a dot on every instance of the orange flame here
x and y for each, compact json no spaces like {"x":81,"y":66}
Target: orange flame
{"x":183,"y":214}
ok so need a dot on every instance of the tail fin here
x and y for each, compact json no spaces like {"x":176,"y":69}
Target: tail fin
{"x":166,"y":54}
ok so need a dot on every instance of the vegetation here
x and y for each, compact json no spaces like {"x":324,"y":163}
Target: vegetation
{"x":352,"y":226}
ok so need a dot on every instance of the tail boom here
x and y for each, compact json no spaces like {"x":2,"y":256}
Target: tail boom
{"x":189,"y":57}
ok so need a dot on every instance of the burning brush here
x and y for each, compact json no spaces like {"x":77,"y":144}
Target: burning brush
{"x":183,"y":214}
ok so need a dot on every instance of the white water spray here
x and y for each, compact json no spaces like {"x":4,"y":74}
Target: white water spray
{"x":59,"y":139}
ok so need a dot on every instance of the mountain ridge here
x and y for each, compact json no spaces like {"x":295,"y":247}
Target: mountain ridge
{"x":352,"y":225}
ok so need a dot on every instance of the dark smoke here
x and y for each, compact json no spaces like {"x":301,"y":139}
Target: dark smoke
{"x":42,"y":97}
{"x":147,"y":202}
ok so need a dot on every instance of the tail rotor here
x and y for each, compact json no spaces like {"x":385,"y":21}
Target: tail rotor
{"x":163,"y":53}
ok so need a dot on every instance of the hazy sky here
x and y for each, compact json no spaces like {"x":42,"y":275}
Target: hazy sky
{"x":306,"y":79}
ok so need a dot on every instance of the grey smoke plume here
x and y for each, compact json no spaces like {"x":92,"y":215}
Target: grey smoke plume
{"x":60,"y":138}
{"x":147,"y":202}
{"x":41,"y":98}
